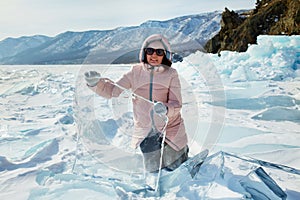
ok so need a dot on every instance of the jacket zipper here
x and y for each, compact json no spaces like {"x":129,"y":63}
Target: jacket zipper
{"x":151,"y":83}
{"x":151,"y":98}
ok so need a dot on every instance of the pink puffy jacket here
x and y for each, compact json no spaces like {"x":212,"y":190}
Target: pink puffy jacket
{"x":166,"y":88}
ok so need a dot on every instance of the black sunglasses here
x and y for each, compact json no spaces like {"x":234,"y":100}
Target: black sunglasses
{"x":150,"y":51}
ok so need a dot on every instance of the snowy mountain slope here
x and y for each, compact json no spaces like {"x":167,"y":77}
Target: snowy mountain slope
{"x":12,"y":46}
{"x":75,"y":47}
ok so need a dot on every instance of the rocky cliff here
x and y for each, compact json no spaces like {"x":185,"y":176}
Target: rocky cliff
{"x":270,"y":17}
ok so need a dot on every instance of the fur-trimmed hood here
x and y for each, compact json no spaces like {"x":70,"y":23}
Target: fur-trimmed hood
{"x":165,"y":43}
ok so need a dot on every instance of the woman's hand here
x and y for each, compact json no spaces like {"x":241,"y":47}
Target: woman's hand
{"x":92,"y":78}
{"x":159,"y":108}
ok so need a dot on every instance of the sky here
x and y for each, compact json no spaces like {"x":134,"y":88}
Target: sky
{"x":52,"y":17}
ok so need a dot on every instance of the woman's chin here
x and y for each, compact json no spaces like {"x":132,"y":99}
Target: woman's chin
{"x":154,"y":63}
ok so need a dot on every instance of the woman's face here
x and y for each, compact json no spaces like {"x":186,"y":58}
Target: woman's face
{"x":154,"y":59}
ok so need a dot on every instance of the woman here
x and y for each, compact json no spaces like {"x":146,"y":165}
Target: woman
{"x":154,"y":79}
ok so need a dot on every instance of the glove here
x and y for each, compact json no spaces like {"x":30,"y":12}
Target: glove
{"x":160,"y":109}
{"x":92,"y":78}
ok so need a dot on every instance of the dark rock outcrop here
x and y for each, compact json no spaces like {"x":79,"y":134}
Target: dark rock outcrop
{"x":270,"y":17}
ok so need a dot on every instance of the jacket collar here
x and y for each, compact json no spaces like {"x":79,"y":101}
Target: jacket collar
{"x":159,"y":68}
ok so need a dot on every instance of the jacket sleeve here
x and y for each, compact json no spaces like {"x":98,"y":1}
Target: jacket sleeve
{"x":103,"y":89}
{"x":108,"y":90}
{"x":174,"y":103}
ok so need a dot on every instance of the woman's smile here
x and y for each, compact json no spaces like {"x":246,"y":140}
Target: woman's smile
{"x":154,"y":59}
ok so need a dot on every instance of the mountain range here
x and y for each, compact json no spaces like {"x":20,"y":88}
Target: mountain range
{"x":121,"y":45}
{"x":210,"y":32}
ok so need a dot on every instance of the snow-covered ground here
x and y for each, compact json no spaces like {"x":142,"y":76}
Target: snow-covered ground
{"x":243,"y":107}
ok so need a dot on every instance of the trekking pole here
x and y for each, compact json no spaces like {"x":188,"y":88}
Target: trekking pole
{"x":161,"y":152}
{"x":132,"y":93}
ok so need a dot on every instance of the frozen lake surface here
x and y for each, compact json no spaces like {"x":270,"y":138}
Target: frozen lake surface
{"x":243,"y":107}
